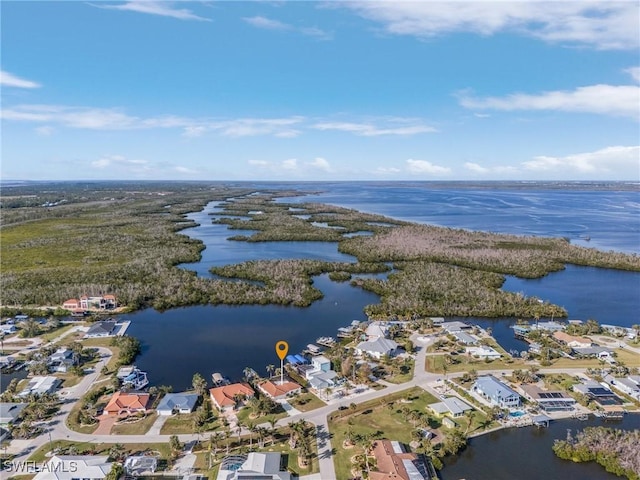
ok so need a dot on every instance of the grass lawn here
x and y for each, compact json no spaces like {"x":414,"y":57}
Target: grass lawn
{"x":377,"y":419}
{"x":434,"y":363}
{"x":400,"y":374}
{"x":305,"y":402}
{"x":139,"y":427}
{"x":183,"y":423}
{"x":50,"y":335}
{"x":202,"y":458}
{"x":629,"y":358}
{"x":244,"y":416}
{"x":87,"y":448}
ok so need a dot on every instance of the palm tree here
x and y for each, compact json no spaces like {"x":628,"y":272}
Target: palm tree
{"x":270,"y":370}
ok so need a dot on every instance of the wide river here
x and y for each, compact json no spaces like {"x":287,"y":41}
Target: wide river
{"x":206,"y":339}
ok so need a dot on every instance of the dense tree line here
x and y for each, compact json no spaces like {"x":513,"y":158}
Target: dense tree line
{"x":616,"y":450}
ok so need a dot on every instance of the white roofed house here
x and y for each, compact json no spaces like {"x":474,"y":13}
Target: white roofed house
{"x":377,"y":348}
{"x":254,"y":466}
{"x":625,"y":385}
{"x":496,"y":392}
{"x":75,"y":467}
{"x":452,"y":406}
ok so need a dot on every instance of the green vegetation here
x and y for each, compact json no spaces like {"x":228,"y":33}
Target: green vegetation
{"x":616,"y":450}
{"x":49,"y":254}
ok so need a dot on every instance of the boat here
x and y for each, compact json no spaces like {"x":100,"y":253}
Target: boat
{"x":313,"y":349}
{"x":219,"y":380}
{"x":326,"y":341}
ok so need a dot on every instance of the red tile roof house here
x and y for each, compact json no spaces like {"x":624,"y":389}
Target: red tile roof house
{"x":228,"y":397}
{"x":71,"y":304}
{"x":277,"y":390}
{"x":123,"y":404}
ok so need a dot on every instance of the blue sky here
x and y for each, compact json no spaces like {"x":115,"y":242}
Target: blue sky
{"x":299,"y":90}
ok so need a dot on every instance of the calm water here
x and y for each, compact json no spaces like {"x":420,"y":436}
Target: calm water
{"x":611,"y":219}
{"x":226,"y":339}
{"x":221,"y":251}
{"x":526,"y":454}
{"x":179,"y":342}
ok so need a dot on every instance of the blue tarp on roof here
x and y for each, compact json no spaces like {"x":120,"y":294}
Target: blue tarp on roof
{"x":301,"y":359}
{"x":292,"y":359}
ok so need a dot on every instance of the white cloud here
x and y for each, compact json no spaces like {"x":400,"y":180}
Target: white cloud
{"x":289,"y":164}
{"x":598,"y":24}
{"x":612,"y":100}
{"x":164,"y":9}
{"x":391,"y":127}
{"x":634,"y":72}
{"x":270,"y":24}
{"x":424,"y":166}
{"x":258,"y":163}
{"x":321,"y":164}
{"x":120,"y":166}
{"x":386,"y":171}
{"x":604,"y":161}
{"x":243,"y":127}
{"x":474,"y":167}
{"x":9,"y":80}
{"x":115,"y":119}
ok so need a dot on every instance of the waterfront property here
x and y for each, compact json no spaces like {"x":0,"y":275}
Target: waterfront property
{"x":319,"y":373}
{"x":40,"y":385}
{"x":177,"y":403}
{"x":277,"y":390}
{"x":451,"y":406}
{"x":549,"y":400}
{"x":571,"y":340}
{"x":496,"y":392}
{"x":229,"y":397}
{"x":483,"y":351}
{"x":106,"y":328}
{"x":73,"y":467}
{"x":454,"y":326}
{"x":597,"y":392}
{"x":393,"y":461}
{"x":625,"y":385}
{"x":377,"y":348}
{"x":9,"y":414}
{"x":124,"y":404}
{"x":255,"y":465}
{"x":548,"y":326}
{"x":465,"y":338}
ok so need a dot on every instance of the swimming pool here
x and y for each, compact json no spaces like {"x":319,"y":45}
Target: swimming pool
{"x":517,"y":413}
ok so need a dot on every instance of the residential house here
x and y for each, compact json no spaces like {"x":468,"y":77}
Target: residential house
{"x":71,"y":304}
{"x":598,"y":392}
{"x":177,"y":403}
{"x":277,"y":390}
{"x":549,"y":400}
{"x":394,"y":462}
{"x":625,"y":385}
{"x":40,"y":385}
{"x":483,"y":351}
{"x":496,"y":392}
{"x":61,"y":361}
{"x":452,"y":406}
{"x":254,"y":466}
{"x":548,"y":326}
{"x":75,"y":467}
{"x":377,"y":348}
{"x":10,"y":413}
{"x":630,"y":333}
{"x":140,"y":465}
{"x":227,"y":397}
{"x":377,"y":330}
{"x":452,"y":327}
{"x":7,"y":361}
{"x":104,"y":328}
{"x":465,"y":338}
{"x":123,"y":404}
{"x":320,"y":375}
{"x":8,"y":329}
{"x":571,"y":340}
{"x":596,"y":351}
{"x":105,"y":302}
